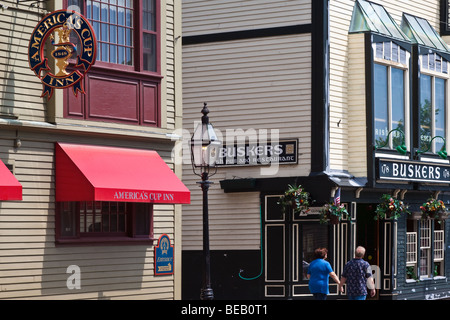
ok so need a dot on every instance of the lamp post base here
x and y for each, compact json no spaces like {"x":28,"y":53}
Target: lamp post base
{"x":206,"y":294}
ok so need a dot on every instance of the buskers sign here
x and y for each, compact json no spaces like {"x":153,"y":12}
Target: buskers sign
{"x":404,"y":170}
{"x":58,"y":26}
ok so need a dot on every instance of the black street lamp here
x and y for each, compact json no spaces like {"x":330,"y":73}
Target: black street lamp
{"x":204,"y":150}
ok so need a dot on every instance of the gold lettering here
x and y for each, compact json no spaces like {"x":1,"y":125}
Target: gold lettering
{"x":36,"y":43}
{"x":88,"y":34}
{"x":35,"y":56}
{"x":59,"y":17}
{"x":69,"y":79}
{"x":60,"y":82}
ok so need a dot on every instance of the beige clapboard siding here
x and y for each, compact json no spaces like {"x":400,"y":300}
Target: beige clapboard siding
{"x":340,"y":15}
{"x":233,"y":218}
{"x":357,"y":148}
{"x":249,"y":85}
{"x":20,"y":90}
{"x":169,"y":64}
{"x":215,"y":16}
{"x":31,"y":267}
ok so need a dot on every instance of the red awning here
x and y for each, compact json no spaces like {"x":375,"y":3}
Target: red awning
{"x":10,"y":188}
{"x":93,"y":173}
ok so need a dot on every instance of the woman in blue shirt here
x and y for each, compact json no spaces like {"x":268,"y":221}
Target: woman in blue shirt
{"x":319,"y":271}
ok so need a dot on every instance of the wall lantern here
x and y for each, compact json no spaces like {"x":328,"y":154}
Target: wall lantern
{"x":400,"y":148}
{"x":441,"y":153}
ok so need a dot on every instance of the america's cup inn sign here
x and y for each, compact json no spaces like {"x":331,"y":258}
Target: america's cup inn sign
{"x":58,"y":26}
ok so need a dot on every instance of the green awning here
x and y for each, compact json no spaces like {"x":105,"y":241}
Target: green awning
{"x":372,"y":17}
{"x":420,"y":31}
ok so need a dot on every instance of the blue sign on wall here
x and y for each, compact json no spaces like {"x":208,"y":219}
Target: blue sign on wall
{"x":163,"y":256}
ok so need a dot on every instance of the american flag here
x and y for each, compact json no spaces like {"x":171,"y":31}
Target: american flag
{"x":337,"y":197}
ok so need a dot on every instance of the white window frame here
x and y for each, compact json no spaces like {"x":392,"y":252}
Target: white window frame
{"x":445,"y":76}
{"x":389,"y":63}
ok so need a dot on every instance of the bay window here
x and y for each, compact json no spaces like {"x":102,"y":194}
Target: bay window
{"x":124,"y":83}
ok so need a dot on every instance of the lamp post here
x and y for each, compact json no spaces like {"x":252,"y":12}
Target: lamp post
{"x":204,"y":151}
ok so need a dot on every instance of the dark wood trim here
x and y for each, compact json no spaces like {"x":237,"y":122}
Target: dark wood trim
{"x":320,"y":88}
{"x":247,"y":34}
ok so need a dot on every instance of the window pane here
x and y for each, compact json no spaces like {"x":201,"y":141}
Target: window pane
{"x":425,"y":112}
{"x":142,"y":219}
{"x":313,"y":237}
{"x":68,"y":216}
{"x":380,"y":104}
{"x":149,"y":52}
{"x":439,"y":113}
{"x":149,"y":19}
{"x":112,"y":39}
{"x":398,"y":106}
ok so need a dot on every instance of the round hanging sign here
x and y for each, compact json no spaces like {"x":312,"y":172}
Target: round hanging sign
{"x":58,"y":27}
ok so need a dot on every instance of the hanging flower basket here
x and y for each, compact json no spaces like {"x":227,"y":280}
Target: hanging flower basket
{"x":390,"y":208}
{"x":297,"y":198}
{"x":332,"y":213}
{"x":434,"y":209}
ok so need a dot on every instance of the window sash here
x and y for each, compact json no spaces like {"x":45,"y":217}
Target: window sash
{"x":389,"y":105}
{"x":78,"y":220}
{"x":127,"y":32}
{"x":411,"y":248}
{"x":439,"y":245}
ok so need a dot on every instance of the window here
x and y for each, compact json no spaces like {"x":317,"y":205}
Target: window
{"x":390,"y":92}
{"x":120,"y":41}
{"x":432,"y":102}
{"x":425,"y":240}
{"x":124,"y":84}
{"x":439,"y":249}
{"x":100,"y":221}
{"x":313,"y":237}
{"x":425,"y":249}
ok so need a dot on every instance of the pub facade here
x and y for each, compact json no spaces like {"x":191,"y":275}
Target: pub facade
{"x":92,"y":193}
{"x":342,"y":97}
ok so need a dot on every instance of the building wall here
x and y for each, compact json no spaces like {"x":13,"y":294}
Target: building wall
{"x":250,"y":85}
{"x":31,"y":266}
{"x":344,"y":141}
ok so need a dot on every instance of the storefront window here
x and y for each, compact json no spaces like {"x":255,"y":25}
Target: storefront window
{"x":425,"y":249}
{"x":120,"y":220}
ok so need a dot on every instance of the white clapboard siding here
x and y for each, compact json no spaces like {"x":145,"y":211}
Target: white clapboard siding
{"x":217,"y":16}
{"x":249,"y":85}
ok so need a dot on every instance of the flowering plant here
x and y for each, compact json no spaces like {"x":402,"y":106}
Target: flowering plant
{"x":390,"y":208}
{"x":433,"y":208}
{"x":332,"y":212}
{"x":297,"y":198}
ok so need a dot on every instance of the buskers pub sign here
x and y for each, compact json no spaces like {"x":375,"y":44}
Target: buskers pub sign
{"x":406,"y":170}
{"x":58,"y":26}
{"x":282,"y":152}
